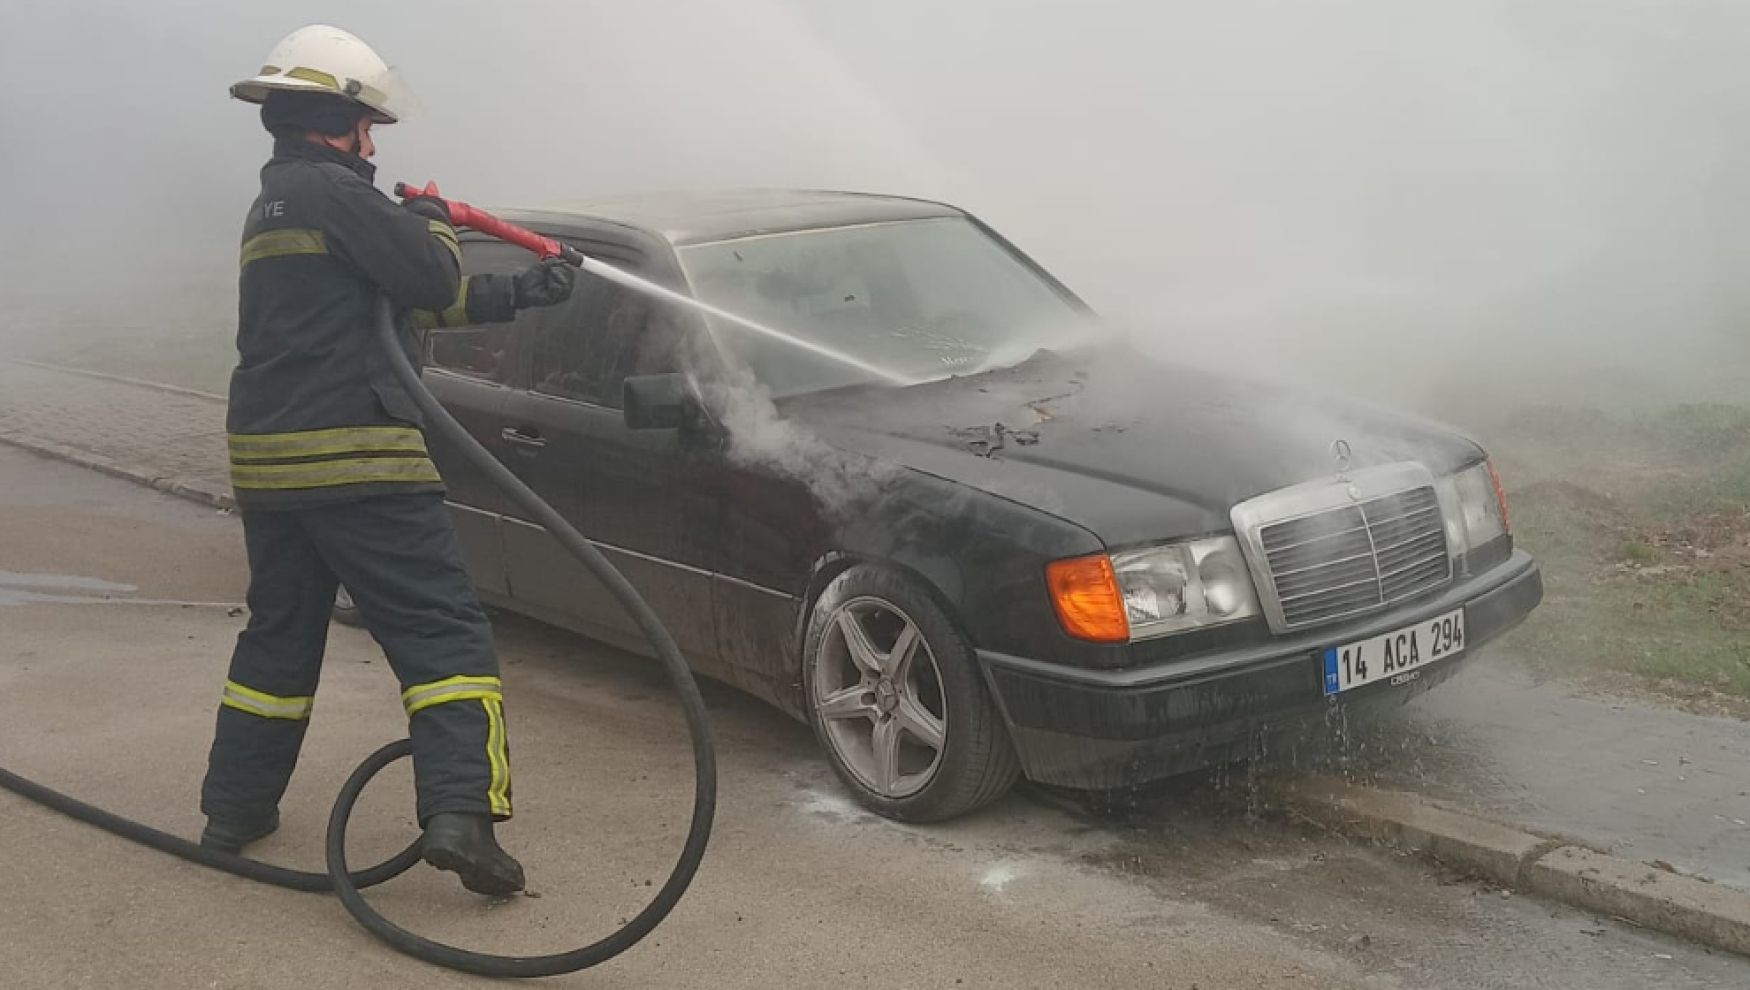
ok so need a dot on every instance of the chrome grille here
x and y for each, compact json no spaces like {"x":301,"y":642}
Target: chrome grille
{"x":1331,"y":550}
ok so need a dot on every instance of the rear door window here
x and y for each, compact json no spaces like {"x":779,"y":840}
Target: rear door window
{"x":602,"y":334}
{"x":583,"y":351}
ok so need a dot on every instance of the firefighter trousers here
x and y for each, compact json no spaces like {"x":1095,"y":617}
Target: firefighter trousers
{"x":398,"y":556}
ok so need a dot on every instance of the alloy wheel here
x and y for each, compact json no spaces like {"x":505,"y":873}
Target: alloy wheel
{"x":878,"y":696}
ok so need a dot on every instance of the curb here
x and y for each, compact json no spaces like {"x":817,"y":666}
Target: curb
{"x":1471,"y":845}
{"x":1639,"y":893}
{"x":193,"y":393}
{"x":196,"y":491}
{"x":1669,"y":902}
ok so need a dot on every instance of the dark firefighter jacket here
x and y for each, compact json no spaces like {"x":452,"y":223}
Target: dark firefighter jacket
{"x":315,"y":415}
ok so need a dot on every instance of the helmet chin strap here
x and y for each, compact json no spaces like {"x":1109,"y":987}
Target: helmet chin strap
{"x":355,"y":137}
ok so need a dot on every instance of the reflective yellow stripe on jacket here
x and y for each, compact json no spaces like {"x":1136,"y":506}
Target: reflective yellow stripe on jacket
{"x":455,"y":316}
{"x":446,"y":235}
{"x":281,"y":243}
{"x":349,"y":455}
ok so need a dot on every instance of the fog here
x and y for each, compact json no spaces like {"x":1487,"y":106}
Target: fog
{"x":1502,"y":199}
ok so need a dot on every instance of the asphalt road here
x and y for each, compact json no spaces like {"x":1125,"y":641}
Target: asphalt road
{"x":114,"y":629}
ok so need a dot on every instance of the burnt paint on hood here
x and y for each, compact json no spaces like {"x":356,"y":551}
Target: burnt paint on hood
{"x":1133,"y":448}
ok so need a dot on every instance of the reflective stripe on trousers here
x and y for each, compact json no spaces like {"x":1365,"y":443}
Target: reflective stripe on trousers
{"x":489,"y":691}
{"x":398,"y":555}
{"x":264,"y":705}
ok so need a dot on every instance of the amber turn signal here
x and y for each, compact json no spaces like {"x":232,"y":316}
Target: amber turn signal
{"x":1500,"y":495}
{"x":1089,"y":604}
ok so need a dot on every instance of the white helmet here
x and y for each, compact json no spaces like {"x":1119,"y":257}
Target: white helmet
{"x":323,"y":59}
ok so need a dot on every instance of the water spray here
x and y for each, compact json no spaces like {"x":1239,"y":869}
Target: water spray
{"x":464,"y":215}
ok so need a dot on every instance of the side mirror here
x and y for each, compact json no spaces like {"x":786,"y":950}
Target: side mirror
{"x":660,"y":402}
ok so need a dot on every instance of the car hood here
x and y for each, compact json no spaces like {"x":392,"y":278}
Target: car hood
{"x":1130,"y":447}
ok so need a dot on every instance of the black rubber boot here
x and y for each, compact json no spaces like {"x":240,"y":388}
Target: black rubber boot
{"x":231,"y":837}
{"x":464,"y":845}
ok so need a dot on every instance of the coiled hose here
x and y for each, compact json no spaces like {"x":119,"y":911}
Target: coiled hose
{"x":347,"y":884}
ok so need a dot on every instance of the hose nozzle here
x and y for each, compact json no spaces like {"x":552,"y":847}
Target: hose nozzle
{"x":474,"y":218}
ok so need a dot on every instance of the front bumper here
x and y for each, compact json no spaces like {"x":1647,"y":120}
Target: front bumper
{"x":1104,"y":730}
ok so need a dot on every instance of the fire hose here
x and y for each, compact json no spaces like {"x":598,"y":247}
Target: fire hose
{"x":339,"y":878}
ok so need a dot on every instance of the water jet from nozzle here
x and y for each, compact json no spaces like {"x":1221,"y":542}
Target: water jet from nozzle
{"x":463,"y":215}
{"x":631,"y":281}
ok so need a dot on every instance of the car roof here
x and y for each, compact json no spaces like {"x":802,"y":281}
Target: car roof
{"x":695,"y":216}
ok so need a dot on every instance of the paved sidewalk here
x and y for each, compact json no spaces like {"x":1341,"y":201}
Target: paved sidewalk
{"x":169,"y":438}
{"x":1645,"y":782}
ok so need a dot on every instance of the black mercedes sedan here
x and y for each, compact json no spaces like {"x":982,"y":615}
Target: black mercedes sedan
{"x":913,"y":494}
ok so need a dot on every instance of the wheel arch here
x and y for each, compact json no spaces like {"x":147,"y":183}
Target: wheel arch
{"x":983,"y":763}
{"x":935,"y":577}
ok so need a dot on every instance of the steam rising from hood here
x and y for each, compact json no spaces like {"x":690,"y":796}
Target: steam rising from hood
{"x":761,"y":438}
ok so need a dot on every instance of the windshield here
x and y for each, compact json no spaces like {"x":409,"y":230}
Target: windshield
{"x":920,"y":299}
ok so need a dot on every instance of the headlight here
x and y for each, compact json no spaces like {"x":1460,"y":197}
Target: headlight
{"x":1140,"y":594}
{"x":1475,"y":505}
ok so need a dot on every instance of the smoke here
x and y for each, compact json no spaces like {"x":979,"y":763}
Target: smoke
{"x":129,"y":168}
{"x":759,"y":437}
{"x":1457,"y":202}
{"x":1451,"y":204}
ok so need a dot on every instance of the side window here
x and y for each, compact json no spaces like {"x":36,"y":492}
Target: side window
{"x":483,"y":350}
{"x":666,"y":346}
{"x":587,"y":352}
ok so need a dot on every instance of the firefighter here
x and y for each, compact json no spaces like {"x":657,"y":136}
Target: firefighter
{"x":330,"y":468}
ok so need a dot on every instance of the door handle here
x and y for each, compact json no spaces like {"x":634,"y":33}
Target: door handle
{"x":517,"y":438}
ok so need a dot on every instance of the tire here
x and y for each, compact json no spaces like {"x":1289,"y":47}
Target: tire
{"x":345,"y":611}
{"x":925,"y":747}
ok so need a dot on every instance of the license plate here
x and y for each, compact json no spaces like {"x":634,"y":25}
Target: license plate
{"x":1397,"y":656}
